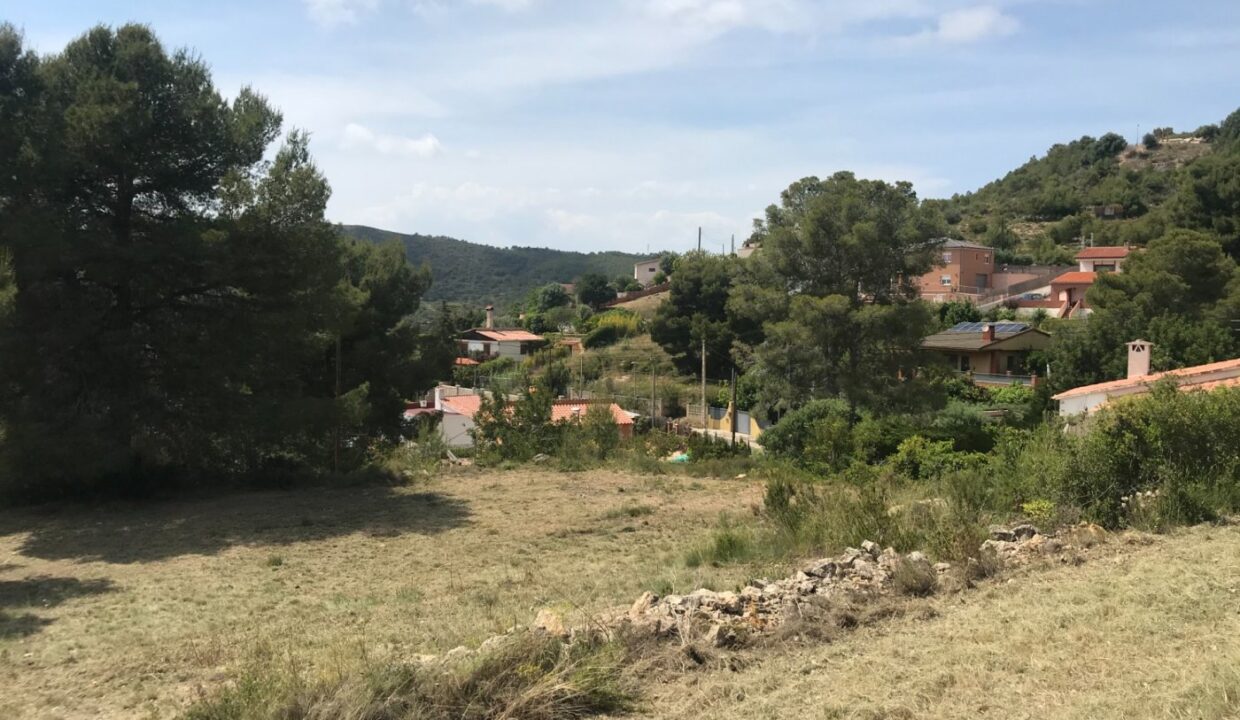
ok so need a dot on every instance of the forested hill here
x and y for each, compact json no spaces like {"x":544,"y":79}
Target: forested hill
{"x":477,"y":274}
{"x":1107,"y":190}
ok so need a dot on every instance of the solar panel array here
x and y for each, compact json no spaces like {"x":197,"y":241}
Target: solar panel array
{"x":1000,"y":327}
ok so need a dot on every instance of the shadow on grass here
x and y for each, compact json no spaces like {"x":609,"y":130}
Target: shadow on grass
{"x":145,"y":532}
{"x":40,"y":592}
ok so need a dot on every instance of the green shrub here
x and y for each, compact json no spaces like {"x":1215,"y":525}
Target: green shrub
{"x":601,"y":337}
{"x":818,"y":434}
{"x":1013,"y":394}
{"x":920,"y":459}
{"x":728,"y":543}
{"x":608,"y":328}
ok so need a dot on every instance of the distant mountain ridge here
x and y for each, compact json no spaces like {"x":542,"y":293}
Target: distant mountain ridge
{"x":478,"y":274}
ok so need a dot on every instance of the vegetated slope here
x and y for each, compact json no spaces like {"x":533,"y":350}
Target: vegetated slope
{"x":477,"y":274}
{"x":1101,"y":188}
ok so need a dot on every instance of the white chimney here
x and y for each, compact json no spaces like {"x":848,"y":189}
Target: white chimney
{"x":1139,"y":358}
{"x":490,"y":317}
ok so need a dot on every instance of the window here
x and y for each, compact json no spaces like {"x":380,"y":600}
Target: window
{"x":947,"y":258}
{"x":945,"y":279}
{"x":964,"y":363}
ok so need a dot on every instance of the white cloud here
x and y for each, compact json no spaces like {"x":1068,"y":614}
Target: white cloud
{"x":968,"y":25}
{"x":566,"y":222}
{"x":361,"y":137}
{"x":329,"y":13}
{"x":506,"y":5}
{"x":977,"y":23}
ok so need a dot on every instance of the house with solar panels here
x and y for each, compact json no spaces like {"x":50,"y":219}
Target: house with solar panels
{"x":991,"y":353}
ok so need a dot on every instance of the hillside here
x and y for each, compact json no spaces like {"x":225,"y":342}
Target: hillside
{"x":478,"y":274}
{"x":1101,"y":188}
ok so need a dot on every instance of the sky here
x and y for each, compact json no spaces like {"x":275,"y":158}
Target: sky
{"x":628,"y":124}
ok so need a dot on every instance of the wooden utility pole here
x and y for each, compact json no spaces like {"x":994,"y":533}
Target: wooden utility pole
{"x":704,"y":413}
{"x":734,"y":410}
{"x":653,"y":410}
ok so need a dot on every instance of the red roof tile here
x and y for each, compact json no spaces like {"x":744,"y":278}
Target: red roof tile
{"x":562,"y":410}
{"x":1189,"y":378}
{"x":508,"y":335}
{"x":1076,"y":277}
{"x":1103,"y":253}
{"x":465,"y":361}
{"x":467,"y":405}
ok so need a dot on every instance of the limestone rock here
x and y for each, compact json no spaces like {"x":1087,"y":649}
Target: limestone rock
{"x":550,"y":622}
{"x":643,"y":604}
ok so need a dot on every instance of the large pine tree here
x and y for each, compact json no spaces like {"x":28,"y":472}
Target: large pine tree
{"x":179,"y":300}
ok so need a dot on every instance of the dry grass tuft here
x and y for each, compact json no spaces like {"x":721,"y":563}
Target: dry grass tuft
{"x":528,"y":676}
{"x":915,"y":578}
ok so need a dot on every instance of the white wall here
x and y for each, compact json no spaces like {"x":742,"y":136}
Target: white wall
{"x":454,"y":429}
{"x":1081,"y":404}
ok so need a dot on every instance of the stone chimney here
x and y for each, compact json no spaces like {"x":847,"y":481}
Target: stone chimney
{"x":490,"y":317}
{"x":988,"y":333}
{"x":1139,"y":358}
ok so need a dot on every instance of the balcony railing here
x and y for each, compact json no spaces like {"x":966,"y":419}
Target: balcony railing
{"x":1002,"y":379}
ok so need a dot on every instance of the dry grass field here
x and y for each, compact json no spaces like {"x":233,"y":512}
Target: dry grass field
{"x":1138,"y":631}
{"x":132,"y":611}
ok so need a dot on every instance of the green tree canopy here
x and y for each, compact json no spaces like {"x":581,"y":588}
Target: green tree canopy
{"x":593,"y":290}
{"x":1181,"y":294}
{"x":834,"y":290}
{"x":178,"y":298}
{"x":696,"y":309}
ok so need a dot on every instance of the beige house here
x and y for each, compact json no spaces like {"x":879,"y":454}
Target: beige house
{"x":645,"y":270}
{"x":991,"y":353}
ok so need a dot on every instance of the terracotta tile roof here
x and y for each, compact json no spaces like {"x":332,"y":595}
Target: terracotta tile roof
{"x":465,"y":361}
{"x":562,"y":410}
{"x":1189,"y":378}
{"x":1103,"y":253}
{"x":1076,"y":277}
{"x":507,"y":335}
{"x":467,"y":405}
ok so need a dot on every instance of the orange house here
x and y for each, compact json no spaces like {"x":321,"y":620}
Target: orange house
{"x":964,"y":268}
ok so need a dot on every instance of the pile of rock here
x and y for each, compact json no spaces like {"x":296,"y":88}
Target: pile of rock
{"x":857,"y":572}
{"x":1023,"y":543}
{"x":854,"y":575}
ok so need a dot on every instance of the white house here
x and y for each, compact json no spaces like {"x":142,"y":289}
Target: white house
{"x":1102,"y":259}
{"x":1089,"y":398}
